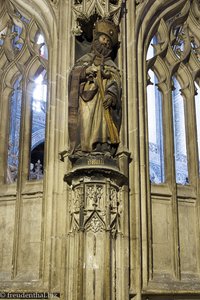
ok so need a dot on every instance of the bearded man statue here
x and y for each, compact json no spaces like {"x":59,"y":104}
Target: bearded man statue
{"x":95,"y":97}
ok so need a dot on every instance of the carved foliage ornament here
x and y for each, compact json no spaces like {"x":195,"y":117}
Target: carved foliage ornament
{"x":84,"y":9}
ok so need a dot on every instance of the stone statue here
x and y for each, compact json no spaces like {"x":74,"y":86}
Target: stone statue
{"x":95,"y":97}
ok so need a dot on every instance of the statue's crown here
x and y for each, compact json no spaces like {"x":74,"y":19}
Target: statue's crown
{"x":109,"y":28}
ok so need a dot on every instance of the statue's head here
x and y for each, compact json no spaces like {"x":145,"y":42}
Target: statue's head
{"x":105,"y":36}
{"x":108,"y":28}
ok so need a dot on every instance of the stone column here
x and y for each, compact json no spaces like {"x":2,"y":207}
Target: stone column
{"x":94,"y":212}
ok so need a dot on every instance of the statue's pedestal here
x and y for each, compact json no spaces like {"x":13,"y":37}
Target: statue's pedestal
{"x":95,"y":213}
{"x":95,"y":167}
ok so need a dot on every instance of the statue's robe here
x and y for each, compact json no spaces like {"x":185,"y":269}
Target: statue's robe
{"x":87,"y":124}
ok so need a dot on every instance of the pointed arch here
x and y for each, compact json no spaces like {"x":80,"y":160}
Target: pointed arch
{"x":21,"y":61}
{"x":175,"y":25}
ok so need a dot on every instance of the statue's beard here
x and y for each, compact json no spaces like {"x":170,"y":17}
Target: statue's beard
{"x":101,"y":48}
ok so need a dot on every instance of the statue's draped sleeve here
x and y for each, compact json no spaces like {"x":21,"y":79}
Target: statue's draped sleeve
{"x":73,"y":87}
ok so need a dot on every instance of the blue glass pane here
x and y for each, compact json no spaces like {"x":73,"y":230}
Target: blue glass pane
{"x":151,"y":49}
{"x":155,"y":131}
{"x":17,"y":42}
{"x":25,"y":20}
{"x":180,"y":149}
{"x":1,"y":40}
{"x":38,"y":124}
{"x":14,"y":132}
{"x":197,"y":107}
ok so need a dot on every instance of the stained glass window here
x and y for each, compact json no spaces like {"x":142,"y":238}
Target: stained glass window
{"x":14,"y":39}
{"x":155,"y":131}
{"x":43,"y":47}
{"x":180,"y":149}
{"x":38,"y":124}
{"x":14,"y":131}
{"x":151,"y":49}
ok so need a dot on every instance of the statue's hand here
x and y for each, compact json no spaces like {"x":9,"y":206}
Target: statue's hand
{"x":108,"y":102}
{"x":91,"y":71}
